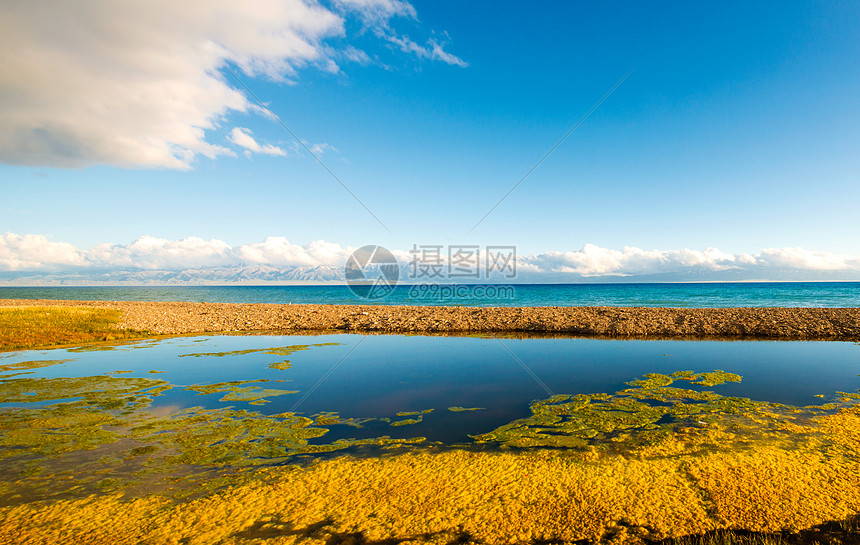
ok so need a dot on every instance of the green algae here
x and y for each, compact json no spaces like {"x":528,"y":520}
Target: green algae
{"x":407,"y":421}
{"x":50,"y":432}
{"x":143,"y":451}
{"x":652,"y":380}
{"x":414,"y":413}
{"x":457,"y":409}
{"x":109,"y":414}
{"x":255,"y":395}
{"x":237,"y":391}
{"x":653,"y":411}
{"x":225,"y":436}
{"x":326,"y":419}
{"x":708,"y":378}
{"x":31,"y":365}
{"x":277,"y":351}
{"x":334,"y":419}
{"x":273,"y":351}
{"x":109,"y":346}
{"x":100,"y":391}
{"x":218,"y":387}
{"x":385,"y":442}
{"x":716,"y":378}
{"x":84,"y":414}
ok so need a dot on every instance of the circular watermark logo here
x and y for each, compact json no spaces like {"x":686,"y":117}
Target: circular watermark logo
{"x":371,"y":272}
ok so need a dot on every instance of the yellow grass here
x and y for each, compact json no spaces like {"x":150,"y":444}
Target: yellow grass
{"x":484,"y":497}
{"x":36,"y":327}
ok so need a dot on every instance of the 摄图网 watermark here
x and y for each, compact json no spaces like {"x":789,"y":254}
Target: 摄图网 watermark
{"x":434,"y":271}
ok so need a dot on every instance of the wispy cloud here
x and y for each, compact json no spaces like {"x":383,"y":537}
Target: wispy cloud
{"x":242,"y":138}
{"x":319,"y":149}
{"x":378,"y":16}
{"x":433,"y":50}
{"x":378,"y":13}
{"x":138,"y":84}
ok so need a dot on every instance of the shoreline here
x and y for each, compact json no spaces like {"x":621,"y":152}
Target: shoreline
{"x":763,"y":323}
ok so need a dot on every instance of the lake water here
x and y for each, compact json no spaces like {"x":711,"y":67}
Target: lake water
{"x":378,"y":376}
{"x":351,"y":438}
{"x":752,"y":294}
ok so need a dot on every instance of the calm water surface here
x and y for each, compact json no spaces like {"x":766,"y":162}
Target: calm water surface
{"x":747,"y":294}
{"x":378,"y":376}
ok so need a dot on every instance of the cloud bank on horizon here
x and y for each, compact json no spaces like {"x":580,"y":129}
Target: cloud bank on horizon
{"x":138,"y":84}
{"x":22,"y":256}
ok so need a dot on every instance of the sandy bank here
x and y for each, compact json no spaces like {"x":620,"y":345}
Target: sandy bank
{"x":634,"y":322}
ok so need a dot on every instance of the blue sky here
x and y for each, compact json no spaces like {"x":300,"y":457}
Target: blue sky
{"x":738,"y":129}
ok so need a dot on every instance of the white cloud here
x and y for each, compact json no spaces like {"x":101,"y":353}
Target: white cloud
{"x":137,"y":83}
{"x":38,"y":253}
{"x":593,"y":261}
{"x":157,"y":253}
{"x":791,"y":258}
{"x":279,"y":252}
{"x":31,"y":252}
{"x":242,"y":137}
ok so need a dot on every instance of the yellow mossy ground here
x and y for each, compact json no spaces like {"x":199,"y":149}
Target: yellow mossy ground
{"x":487,"y":497}
{"x":34,"y":327}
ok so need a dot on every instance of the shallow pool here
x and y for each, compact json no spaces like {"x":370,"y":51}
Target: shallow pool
{"x":188,"y":416}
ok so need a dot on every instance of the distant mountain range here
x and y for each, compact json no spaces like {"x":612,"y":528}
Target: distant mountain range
{"x":190,"y":277}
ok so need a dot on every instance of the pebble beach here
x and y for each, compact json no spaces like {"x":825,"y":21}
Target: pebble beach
{"x":174,"y":318}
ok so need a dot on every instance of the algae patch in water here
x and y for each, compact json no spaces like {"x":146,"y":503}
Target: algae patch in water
{"x":277,"y":351}
{"x":414,"y":413}
{"x":274,"y":351}
{"x":654,"y":418}
{"x":408,"y":421}
{"x":457,"y":409}
{"x":22,"y":365}
{"x":334,"y":419}
{"x":419,"y":417}
{"x":237,"y":391}
{"x":110,"y":415}
{"x":102,"y":391}
{"x":669,"y":460}
{"x":83,"y":416}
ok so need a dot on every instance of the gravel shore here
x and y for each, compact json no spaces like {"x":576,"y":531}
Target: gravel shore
{"x":842,"y":324}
